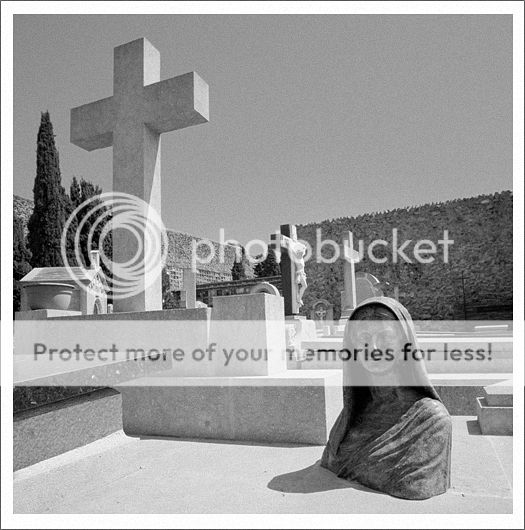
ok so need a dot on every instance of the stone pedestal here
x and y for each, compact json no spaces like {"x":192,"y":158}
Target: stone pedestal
{"x":304,"y":328}
{"x":249,"y":328}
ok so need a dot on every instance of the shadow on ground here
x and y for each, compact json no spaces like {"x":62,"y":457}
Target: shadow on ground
{"x":473,"y":427}
{"x":313,"y":479}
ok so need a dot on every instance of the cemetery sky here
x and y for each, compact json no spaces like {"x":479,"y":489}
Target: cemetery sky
{"x":311,"y":117}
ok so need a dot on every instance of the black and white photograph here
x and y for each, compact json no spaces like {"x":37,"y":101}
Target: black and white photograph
{"x":262,"y":264}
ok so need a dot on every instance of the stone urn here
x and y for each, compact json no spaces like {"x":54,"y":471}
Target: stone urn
{"x":49,"y":295}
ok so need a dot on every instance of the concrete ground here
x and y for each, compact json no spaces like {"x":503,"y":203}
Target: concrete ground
{"x":120,"y":474}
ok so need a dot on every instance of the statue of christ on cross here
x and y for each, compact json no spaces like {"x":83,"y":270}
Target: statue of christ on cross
{"x":292,"y":267}
{"x":297,"y":251}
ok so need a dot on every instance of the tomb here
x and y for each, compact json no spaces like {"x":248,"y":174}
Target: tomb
{"x":59,"y":291}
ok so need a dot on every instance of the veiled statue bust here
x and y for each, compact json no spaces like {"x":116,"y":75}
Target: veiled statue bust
{"x":394,"y":433}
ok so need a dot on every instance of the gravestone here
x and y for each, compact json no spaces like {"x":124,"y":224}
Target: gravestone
{"x":59,"y":291}
{"x":349,"y":294}
{"x":265,"y":287}
{"x":322,"y":312}
{"x":131,"y":121}
{"x":366,"y":286}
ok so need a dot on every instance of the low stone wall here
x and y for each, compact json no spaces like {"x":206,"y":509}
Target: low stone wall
{"x":53,"y":429}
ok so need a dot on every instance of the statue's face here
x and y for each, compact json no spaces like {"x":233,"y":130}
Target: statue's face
{"x":377,"y":344}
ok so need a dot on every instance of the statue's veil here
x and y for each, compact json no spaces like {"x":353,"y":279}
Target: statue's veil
{"x":355,"y":395}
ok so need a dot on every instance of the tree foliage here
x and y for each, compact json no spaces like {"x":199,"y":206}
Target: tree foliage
{"x":238,"y":269}
{"x":21,"y":260}
{"x":268,"y":267}
{"x":91,"y":219}
{"x":51,"y":203}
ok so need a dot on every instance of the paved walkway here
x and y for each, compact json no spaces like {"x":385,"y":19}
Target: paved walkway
{"x":130,"y":475}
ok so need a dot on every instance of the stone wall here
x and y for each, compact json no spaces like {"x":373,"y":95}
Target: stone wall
{"x":180,"y":253}
{"x":479,"y":272}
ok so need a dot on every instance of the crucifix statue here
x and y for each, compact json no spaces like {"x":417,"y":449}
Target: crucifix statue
{"x":292,"y":267}
{"x":131,"y":121}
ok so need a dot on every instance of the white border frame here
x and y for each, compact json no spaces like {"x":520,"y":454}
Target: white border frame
{"x":10,"y":8}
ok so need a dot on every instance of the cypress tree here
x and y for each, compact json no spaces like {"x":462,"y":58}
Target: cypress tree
{"x":51,"y":204}
{"x":75,"y":193}
{"x":268,"y":267}
{"x":238,"y":269}
{"x":272,"y":267}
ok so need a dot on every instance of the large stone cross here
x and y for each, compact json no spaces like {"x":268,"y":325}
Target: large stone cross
{"x":141,"y":109}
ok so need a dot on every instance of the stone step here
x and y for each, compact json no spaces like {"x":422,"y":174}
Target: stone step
{"x":500,"y":395}
{"x":290,"y":407}
{"x":493,"y":366}
{"x":494,"y":420}
{"x":459,"y":392}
